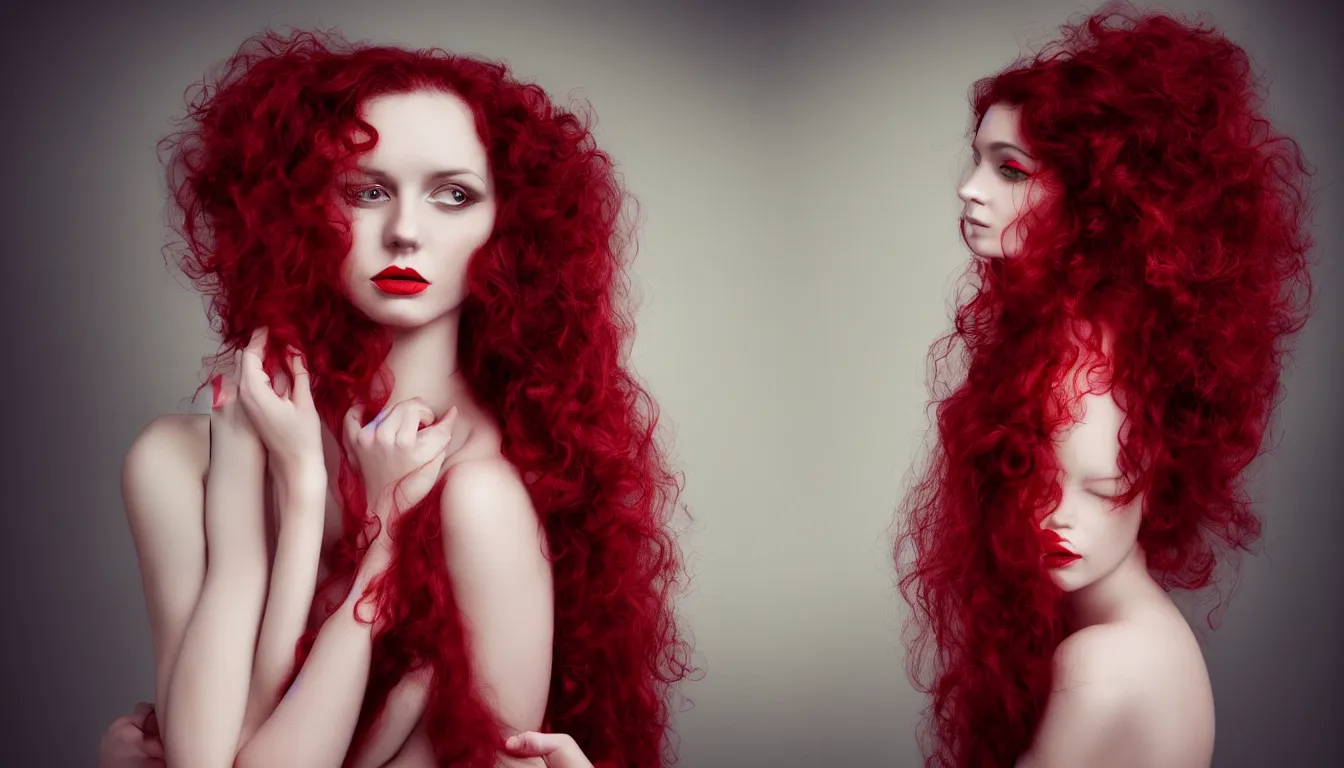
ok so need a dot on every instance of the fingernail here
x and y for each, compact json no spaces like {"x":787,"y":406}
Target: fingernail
{"x":216,"y":389}
{"x":513,"y":742}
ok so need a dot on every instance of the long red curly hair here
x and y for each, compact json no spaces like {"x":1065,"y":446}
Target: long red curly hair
{"x":1175,"y":218}
{"x":542,"y":342}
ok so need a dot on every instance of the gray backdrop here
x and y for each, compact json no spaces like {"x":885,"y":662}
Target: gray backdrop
{"x":796,"y":167}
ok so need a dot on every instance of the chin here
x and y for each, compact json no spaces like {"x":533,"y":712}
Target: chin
{"x":1071,"y":578}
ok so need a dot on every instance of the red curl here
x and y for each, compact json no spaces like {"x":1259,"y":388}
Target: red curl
{"x":1175,"y":220}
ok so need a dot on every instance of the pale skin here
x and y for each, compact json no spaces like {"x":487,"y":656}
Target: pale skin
{"x":1001,"y":186}
{"x":406,"y":212}
{"x":1130,"y":683}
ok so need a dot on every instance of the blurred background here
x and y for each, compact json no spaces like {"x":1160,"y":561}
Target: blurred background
{"x":795,"y":166}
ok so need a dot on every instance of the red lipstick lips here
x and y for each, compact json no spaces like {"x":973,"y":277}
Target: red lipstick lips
{"x":1055,"y":552}
{"x":400,"y":281}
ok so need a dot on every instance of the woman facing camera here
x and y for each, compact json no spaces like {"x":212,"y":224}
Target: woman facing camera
{"x":1141,"y":263}
{"x":433,"y":506}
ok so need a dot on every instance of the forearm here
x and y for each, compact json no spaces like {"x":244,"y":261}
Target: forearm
{"x":290,"y":597}
{"x":208,"y":685}
{"x":315,"y":721}
{"x":403,"y":711}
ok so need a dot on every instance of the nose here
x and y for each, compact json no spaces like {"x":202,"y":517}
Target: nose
{"x":403,"y":233}
{"x":1061,"y":517}
{"x":971,"y":192}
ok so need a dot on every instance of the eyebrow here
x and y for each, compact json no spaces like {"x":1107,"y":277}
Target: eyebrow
{"x":442,"y":175}
{"x":1002,"y":145}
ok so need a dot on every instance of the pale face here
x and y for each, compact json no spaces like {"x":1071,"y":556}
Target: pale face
{"x":421,"y":204}
{"x":1088,"y":522}
{"x":1000,"y":188}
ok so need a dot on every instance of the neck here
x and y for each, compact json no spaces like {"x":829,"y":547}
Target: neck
{"x":423,"y":364}
{"x":1113,"y":596}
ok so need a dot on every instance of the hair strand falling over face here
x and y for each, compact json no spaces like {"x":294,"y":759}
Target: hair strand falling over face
{"x":1177,"y":222}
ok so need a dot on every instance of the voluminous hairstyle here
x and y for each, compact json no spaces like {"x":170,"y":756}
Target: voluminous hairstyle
{"x":1174,"y":222}
{"x":543,"y":336}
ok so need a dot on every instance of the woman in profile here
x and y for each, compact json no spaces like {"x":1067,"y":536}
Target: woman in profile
{"x":1141,"y":263}
{"x":435,"y":512}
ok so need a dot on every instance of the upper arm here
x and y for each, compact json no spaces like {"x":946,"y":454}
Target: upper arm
{"x":495,"y":552}
{"x":1091,"y":702}
{"x":163,"y":490}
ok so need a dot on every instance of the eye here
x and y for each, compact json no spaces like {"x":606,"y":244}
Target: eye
{"x":453,"y":197}
{"x":1109,"y":498}
{"x":367,"y":195}
{"x":1013,"y":172}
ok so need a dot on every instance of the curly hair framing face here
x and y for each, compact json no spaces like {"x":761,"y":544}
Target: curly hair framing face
{"x":1175,"y":220}
{"x":543,"y":336}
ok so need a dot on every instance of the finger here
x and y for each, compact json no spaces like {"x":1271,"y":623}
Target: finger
{"x":252,"y":378}
{"x":256,"y":348}
{"x":152,"y":747}
{"x":152,"y":724}
{"x":282,"y":382}
{"x":303,"y":393}
{"x":386,"y":423}
{"x":352,"y":425}
{"x":226,"y":383}
{"x":353,"y":422}
{"x":440,"y":433}
{"x":558,"y":749}
{"x":135,"y":720}
{"x":415,"y":415}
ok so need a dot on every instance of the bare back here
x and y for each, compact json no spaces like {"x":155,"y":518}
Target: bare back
{"x":1174,"y":724}
{"x":1129,"y":692}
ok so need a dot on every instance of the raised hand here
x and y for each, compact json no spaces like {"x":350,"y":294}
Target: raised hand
{"x":282,"y":412}
{"x":401,"y":451}
{"x":232,"y":434}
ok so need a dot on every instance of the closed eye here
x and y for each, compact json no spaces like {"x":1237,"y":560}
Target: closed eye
{"x":1113,"y":499}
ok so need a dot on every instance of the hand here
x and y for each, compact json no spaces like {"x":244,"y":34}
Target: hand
{"x":232,"y":434}
{"x":402,"y":450}
{"x":557,"y":749}
{"x":132,"y":741}
{"x":281,"y":410}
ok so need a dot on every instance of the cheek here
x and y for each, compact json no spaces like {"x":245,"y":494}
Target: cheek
{"x":1122,"y":529}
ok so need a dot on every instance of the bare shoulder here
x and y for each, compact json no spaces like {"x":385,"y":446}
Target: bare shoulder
{"x":1136,"y":692}
{"x":173,"y":450}
{"x":1143,"y":654}
{"x":485,"y":491}
{"x":179,"y":439}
